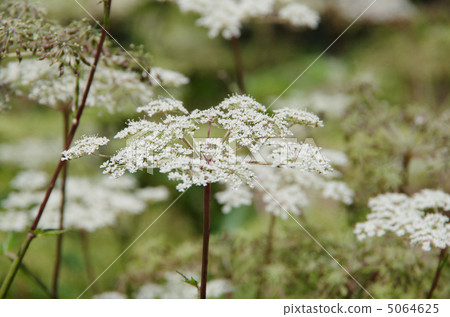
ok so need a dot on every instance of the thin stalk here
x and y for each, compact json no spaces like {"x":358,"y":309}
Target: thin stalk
{"x":59,"y":238}
{"x":16,"y":265}
{"x":31,"y":275}
{"x":206,"y":229}
{"x":87,"y":257}
{"x":30,"y":236}
{"x":238,"y":65}
{"x":267,"y":251}
{"x":406,"y":160}
{"x":437,"y":275}
{"x":269,"y":241}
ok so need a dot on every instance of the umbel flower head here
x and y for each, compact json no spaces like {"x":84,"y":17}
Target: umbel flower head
{"x":227,"y":16}
{"x":166,"y":140}
{"x":424,"y":218}
{"x":286,"y":190}
{"x":25,"y":30}
{"x":113,"y":87}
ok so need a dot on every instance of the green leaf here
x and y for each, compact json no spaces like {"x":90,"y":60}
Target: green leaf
{"x":192,"y":281}
{"x":6,"y":245}
{"x":48,"y":232}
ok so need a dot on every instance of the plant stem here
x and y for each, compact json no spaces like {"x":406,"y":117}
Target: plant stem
{"x":238,"y":65}
{"x":59,"y":238}
{"x":87,"y":257}
{"x":15,"y":265}
{"x":437,"y":275}
{"x":406,"y":160}
{"x":206,"y":228}
{"x":30,"y":236}
{"x":267,"y":252}
{"x":30,"y":274}
{"x":269,"y":241}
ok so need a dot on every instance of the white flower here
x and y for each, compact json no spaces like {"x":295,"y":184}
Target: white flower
{"x":284,"y":189}
{"x":419,"y":217}
{"x":90,"y":203}
{"x":84,"y":146}
{"x":32,"y":180}
{"x":218,"y":288}
{"x":167,"y":77}
{"x":381,"y":11}
{"x":110,"y":295}
{"x":232,"y":198}
{"x":176,"y":288}
{"x":331,"y":104}
{"x":112,"y":88}
{"x":19,"y":154}
{"x":171,"y":147}
{"x":431,"y":199}
{"x":337,"y":158}
{"x":14,"y":221}
{"x":298,"y":117}
{"x":300,"y":15}
{"x":226,"y":17}
{"x":162,"y":105}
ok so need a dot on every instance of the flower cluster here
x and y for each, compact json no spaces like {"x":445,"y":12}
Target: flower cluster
{"x":286,"y":189}
{"x":381,"y":11}
{"x":85,"y":146}
{"x":170,"y":146}
{"x":424,"y":217}
{"x":227,"y":16}
{"x":174,"y":288}
{"x":25,"y":30}
{"x":329,"y":104}
{"x":41,"y":150}
{"x":90,"y":203}
{"x":113,"y":88}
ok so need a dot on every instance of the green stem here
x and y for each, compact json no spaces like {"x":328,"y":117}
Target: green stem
{"x":87,"y":257}
{"x":267,"y":252}
{"x":437,"y":275}
{"x":31,"y":275}
{"x":16,"y":263}
{"x":238,"y":65}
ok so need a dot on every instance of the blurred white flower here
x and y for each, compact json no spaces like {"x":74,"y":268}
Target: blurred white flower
{"x":230,"y":199}
{"x":42,"y":151}
{"x":167,"y":77}
{"x":422,"y":217}
{"x":176,"y":288}
{"x":14,"y":221}
{"x":333,"y":105}
{"x":288,"y":187}
{"x":299,"y":15}
{"x":90,"y":203}
{"x":226,"y":17}
{"x":381,"y":11}
{"x":112,"y":89}
{"x":110,"y":295}
{"x":337,"y":158}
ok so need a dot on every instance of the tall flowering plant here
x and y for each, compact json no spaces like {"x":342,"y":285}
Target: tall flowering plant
{"x":174,"y":147}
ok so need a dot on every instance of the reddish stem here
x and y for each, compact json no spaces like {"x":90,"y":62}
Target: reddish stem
{"x":59,"y":238}
{"x":437,"y":275}
{"x":206,"y":229}
{"x":16,"y":264}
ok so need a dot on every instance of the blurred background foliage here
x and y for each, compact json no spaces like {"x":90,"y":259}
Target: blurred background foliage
{"x":395,"y":72}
